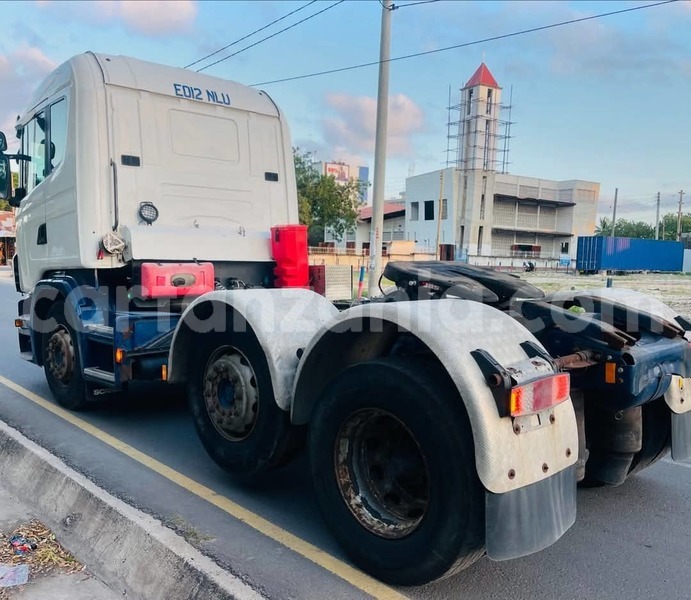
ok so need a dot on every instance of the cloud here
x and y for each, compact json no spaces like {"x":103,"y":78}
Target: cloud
{"x":158,"y":17}
{"x":20,"y":71}
{"x":151,"y":17}
{"x":598,"y":49}
{"x":351,"y":127}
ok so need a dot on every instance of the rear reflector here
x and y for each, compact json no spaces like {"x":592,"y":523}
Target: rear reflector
{"x":539,"y":395}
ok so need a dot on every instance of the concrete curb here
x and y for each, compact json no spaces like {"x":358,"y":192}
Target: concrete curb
{"x":127,"y":549}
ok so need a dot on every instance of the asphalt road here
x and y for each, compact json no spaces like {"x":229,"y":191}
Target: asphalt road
{"x":628,"y":542}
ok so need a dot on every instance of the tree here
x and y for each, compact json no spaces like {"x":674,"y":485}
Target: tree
{"x":668,"y":225}
{"x":604,"y":227}
{"x":323,"y":202}
{"x":625,"y":228}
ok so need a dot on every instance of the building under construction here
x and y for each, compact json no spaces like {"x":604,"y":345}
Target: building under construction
{"x":486,"y":214}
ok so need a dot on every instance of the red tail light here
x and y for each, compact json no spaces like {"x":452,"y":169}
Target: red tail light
{"x":539,"y":395}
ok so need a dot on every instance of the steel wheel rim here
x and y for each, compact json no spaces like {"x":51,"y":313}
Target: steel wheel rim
{"x":60,"y":355}
{"x":231,"y":394}
{"x":381,"y":473}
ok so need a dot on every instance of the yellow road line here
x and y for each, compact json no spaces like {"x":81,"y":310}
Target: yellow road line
{"x":353,"y":576}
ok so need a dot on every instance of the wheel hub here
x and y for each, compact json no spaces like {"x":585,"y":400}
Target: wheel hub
{"x":381,"y":473}
{"x":60,"y":355}
{"x":231,"y":395}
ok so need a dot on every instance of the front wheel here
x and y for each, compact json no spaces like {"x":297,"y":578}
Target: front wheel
{"x":61,"y":361}
{"x":393,"y":463}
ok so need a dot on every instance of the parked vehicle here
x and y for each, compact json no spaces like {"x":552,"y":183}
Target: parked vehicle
{"x":156,"y":241}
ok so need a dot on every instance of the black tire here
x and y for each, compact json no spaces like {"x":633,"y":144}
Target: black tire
{"x":65,"y":380}
{"x":266,"y":443}
{"x":418,"y":478}
{"x":657,"y":435}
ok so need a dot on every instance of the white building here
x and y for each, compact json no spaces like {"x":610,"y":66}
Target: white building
{"x":490,"y":217}
{"x":358,"y":240}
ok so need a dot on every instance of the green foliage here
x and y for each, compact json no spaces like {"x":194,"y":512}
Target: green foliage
{"x":641,"y":229}
{"x":322,"y":201}
{"x":668,"y":225}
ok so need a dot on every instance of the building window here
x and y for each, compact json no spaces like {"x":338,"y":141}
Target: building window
{"x":488,"y":109}
{"x":429,"y":210}
{"x":480,"y":231}
{"x":444,"y":209}
{"x":470,"y":101}
{"x":414,"y":211}
{"x":565,"y":247}
{"x":482,"y":206}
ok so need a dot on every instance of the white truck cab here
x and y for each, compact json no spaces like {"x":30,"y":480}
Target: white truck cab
{"x":181,"y":166}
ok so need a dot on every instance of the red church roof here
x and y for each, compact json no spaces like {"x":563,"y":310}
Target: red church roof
{"x":482,"y":77}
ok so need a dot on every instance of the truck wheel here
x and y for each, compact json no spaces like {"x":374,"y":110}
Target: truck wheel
{"x":657,"y":435}
{"x":233,"y":407}
{"x":393,"y":463}
{"x":61,"y":362}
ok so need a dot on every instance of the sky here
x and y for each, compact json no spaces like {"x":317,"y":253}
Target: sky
{"x":606,"y":100}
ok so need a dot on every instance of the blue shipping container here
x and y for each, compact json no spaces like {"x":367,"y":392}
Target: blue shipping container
{"x":597,"y":253}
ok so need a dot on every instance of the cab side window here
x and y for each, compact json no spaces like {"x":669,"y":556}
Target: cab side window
{"x":34,"y":146}
{"x":58,"y":133}
{"x":44,"y":140}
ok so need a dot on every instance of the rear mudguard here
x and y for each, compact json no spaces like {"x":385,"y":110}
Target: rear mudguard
{"x":282,"y":320}
{"x":451,"y":330}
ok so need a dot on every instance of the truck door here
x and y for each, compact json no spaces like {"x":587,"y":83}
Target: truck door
{"x":31,"y":216}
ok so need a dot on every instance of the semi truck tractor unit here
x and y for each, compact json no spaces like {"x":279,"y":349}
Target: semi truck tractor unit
{"x":157,"y":239}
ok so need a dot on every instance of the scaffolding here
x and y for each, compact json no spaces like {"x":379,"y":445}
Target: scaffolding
{"x":484,"y":148}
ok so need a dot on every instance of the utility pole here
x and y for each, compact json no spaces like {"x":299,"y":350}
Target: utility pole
{"x":375,"y":249}
{"x":657,"y":218}
{"x":681,"y":202}
{"x":614,"y":212}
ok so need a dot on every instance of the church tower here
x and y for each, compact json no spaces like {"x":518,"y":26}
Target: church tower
{"x":479,"y":120}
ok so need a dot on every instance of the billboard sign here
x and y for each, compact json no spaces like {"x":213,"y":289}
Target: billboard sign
{"x":341,"y":173}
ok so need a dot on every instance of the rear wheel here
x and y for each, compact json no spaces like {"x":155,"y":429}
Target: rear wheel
{"x":392,"y":459}
{"x":61,"y":361}
{"x":232,"y":403}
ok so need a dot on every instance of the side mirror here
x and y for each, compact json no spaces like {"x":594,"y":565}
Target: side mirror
{"x":3,"y":142}
{"x":5,"y":178}
{"x":19,"y":195}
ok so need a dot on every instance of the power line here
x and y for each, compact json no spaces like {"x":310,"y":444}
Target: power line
{"x":292,"y":12}
{"x":268,"y":37}
{"x":466,"y":44}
